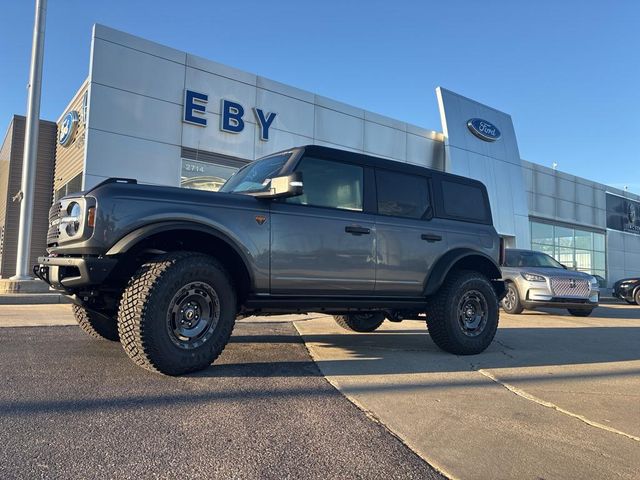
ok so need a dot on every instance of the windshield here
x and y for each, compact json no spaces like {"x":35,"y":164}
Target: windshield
{"x":255,"y":176}
{"x":519,"y":258}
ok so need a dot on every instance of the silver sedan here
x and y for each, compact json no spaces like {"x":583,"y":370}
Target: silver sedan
{"x":534,"y":279}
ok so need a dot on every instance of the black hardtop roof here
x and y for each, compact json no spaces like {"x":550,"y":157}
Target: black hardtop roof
{"x":376,"y":162}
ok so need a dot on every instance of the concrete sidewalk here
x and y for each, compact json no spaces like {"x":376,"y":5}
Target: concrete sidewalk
{"x":553,"y":397}
{"x":36,"y":316}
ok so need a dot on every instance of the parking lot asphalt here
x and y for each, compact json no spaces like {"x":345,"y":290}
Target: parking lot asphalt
{"x":554,"y":396}
{"x":75,"y":407}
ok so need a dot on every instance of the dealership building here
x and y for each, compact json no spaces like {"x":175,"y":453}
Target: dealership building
{"x":166,"y":117}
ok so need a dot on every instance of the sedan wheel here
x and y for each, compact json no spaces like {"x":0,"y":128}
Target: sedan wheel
{"x":511,"y":301}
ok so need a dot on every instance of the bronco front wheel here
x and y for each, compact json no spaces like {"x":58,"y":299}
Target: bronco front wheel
{"x":177,"y":313}
{"x":96,"y":324}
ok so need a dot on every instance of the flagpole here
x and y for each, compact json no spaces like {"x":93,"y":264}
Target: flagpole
{"x":29,"y":161}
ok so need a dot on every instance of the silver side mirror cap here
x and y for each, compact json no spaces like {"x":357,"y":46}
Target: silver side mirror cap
{"x":282,"y":187}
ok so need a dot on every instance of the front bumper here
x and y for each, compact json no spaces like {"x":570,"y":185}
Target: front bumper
{"x":70,"y":274}
{"x":624,"y":292}
{"x":558,"y":302}
{"x":541,"y":294}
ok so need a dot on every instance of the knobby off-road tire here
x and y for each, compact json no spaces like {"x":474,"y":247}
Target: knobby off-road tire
{"x":97,"y":325}
{"x":579,"y":312}
{"x":360,"y":322}
{"x":511,"y":301}
{"x":462,"y":317}
{"x":177,"y":313}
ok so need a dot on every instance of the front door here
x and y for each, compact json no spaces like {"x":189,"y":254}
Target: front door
{"x":321,"y":241}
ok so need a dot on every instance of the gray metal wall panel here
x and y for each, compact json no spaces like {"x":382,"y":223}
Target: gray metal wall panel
{"x":70,"y":159}
{"x":136,"y":95}
{"x":489,"y":162}
{"x":42,"y":193}
{"x":565,"y":198}
{"x":623,"y":255}
{"x":562,"y":197}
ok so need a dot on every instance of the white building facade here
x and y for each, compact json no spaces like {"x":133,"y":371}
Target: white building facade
{"x":166,"y":117}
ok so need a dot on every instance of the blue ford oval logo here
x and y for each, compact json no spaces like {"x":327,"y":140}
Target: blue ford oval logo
{"x":484,"y":130}
{"x":68,"y":128}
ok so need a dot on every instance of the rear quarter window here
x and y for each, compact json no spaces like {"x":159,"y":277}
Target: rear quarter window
{"x":464,"y":201}
{"x":402,"y":195}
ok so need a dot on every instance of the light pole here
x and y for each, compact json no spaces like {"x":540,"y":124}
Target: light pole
{"x":29,"y":161}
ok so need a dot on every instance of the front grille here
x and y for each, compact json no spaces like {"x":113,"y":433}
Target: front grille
{"x":570,"y":287}
{"x":54,"y":232}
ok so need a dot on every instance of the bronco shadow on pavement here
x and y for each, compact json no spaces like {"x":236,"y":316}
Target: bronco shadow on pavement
{"x":78,"y":408}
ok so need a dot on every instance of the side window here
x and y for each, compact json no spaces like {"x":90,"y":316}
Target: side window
{"x":330,"y":184}
{"x":402,"y":195}
{"x":511,"y":259}
{"x":464,"y":201}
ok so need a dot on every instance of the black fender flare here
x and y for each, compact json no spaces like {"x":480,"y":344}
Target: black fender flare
{"x":442,"y":267}
{"x":134,"y":237}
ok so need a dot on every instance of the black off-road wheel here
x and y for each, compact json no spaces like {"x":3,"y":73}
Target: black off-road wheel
{"x":177,"y":313}
{"x":511,"y":301}
{"x":360,"y":322}
{"x":580,"y":312}
{"x":96,"y":324}
{"x":462,"y":317}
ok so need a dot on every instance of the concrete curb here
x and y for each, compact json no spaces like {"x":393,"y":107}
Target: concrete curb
{"x":7,"y":285}
{"x":32,"y":298}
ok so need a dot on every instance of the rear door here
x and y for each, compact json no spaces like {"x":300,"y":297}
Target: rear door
{"x":463,"y":206}
{"x":409,"y":238}
{"x":322,"y":242}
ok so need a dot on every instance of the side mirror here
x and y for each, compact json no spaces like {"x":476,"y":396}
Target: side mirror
{"x":282,"y":187}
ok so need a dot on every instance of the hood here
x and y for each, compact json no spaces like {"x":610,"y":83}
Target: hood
{"x":555,"y":272}
{"x":167,"y":195}
{"x":630,"y":279}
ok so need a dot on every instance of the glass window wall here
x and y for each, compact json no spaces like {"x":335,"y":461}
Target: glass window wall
{"x":578,"y":249}
{"x":204,"y":175}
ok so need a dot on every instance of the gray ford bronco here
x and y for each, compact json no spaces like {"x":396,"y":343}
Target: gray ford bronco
{"x":166,"y":271}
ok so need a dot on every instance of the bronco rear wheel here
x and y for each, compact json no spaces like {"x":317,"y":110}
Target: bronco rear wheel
{"x":462,"y":317}
{"x":96,"y":324}
{"x":360,"y":322}
{"x":177,"y":313}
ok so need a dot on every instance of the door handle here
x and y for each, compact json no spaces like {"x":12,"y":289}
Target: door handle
{"x":356,"y":230}
{"x":430,"y":237}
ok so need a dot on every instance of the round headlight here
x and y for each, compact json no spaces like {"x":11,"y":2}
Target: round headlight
{"x":74,"y":211}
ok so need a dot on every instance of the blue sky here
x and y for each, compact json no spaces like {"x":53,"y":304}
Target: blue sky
{"x":568,"y":72}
